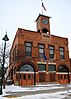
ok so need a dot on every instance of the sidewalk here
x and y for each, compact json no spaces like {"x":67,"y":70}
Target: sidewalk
{"x":32,"y":90}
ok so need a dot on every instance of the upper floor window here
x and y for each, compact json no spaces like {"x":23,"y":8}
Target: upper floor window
{"x":28,"y":49}
{"x":41,"y":50}
{"x":61,"y":52}
{"x":14,"y":54}
{"x":51,"y":52}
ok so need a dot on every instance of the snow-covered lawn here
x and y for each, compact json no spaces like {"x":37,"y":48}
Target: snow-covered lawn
{"x":56,"y":95}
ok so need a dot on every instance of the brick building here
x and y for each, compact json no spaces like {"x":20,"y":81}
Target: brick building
{"x":38,"y":56}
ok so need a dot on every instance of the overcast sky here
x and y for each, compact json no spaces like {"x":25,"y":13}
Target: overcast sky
{"x":16,"y":14}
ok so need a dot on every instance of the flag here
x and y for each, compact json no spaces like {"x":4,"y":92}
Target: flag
{"x":44,"y":56}
{"x":43,"y":6}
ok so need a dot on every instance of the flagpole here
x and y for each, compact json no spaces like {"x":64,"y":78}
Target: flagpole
{"x":41,"y":7}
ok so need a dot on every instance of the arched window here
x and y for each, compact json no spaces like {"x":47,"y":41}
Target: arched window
{"x":44,"y":30}
{"x":62,"y":69}
{"x":27,"y":68}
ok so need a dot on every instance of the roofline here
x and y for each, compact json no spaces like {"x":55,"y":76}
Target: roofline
{"x":40,"y":32}
{"x":60,"y":36}
{"x":28,"y":30}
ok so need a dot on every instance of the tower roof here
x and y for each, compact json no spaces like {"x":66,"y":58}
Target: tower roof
{"x":43,"y":16}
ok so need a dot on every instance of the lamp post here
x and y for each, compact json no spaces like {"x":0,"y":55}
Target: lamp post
{"x":3,"y":71}
{"x":0,"y":85}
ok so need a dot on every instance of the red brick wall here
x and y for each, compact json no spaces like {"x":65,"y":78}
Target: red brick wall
{"x":24,"y":35}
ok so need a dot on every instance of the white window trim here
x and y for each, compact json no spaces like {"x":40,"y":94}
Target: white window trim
{"x":52,"y":71}
{"x":61,"y":73}
{"x":41,"y":62}
{"x":51,"y":63}
{"x":25,"y":72}
{"x":42,"y":71}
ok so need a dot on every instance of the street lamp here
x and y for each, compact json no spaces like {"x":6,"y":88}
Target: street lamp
{"x":3,"y":77}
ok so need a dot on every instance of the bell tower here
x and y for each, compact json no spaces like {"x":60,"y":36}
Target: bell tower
{"x":43,"y":24}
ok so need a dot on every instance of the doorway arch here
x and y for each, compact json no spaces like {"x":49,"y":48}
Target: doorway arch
{"x":63,"y":74}
{"x":27,"y":75}
{"x":44,"y":30}
{"x":27,"y":68}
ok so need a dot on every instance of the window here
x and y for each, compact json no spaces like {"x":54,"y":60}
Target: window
{"x":29,"y":76}
{"x":27,"y":68}
{"x":61,"y":52}
{"x":28,"y":49}
{"x":62,"y":69}
{"x":24,"y":77}
{"x":51,"y":52}
{"x":41,"y":50}
{"x":41,"y":67}
{"x":51,"y":67}
{"x":61,"y":77}
{"x":64,"y":76}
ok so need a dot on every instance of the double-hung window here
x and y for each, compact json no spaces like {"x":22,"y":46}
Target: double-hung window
{"x":51,"y":52}
{"x":41,"y":50}
{"x":28,"y":49}
{"x":61,"y":53}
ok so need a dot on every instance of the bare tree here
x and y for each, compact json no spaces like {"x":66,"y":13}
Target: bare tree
{"x":4,"y":60}
{"x":6,"y":54}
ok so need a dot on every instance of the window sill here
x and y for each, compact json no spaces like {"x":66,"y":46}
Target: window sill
{"x":52,"y":59}
{"x":52,"y":71}
{"x":41,"y":71}
{"x":62,"y":59}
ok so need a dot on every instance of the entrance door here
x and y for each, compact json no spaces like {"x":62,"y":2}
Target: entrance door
{"x":27,"y":75}
{"x":27,"y":79}
{"x":63,"y":78}
{"x":41,"y":77}
{"x":52,"y":77}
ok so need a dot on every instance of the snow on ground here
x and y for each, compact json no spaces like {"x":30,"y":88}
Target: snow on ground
{"x":13,"y":88}
{"x":57,"y":95}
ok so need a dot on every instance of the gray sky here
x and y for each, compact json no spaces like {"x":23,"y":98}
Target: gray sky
{"x":16,"y":14}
